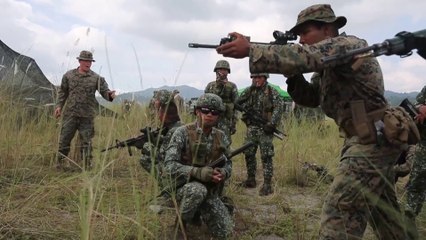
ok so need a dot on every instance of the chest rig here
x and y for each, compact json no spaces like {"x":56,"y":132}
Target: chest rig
{"x":202,"y":150}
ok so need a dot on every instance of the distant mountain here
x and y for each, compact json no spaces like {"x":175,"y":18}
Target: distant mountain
{"x":144,"y":96}
{"x":395,"y":98}
{"x":188,"y":92}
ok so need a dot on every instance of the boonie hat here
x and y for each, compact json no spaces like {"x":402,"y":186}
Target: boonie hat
{"x":318,"y":13}
{"x":86,"y":55}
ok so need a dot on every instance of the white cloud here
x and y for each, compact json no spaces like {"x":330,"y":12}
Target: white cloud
{"x":158,"y":31}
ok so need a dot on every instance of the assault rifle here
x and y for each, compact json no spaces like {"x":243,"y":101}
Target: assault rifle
{"x":281,"y":38}
{"x":321,"y":171}
{"x":402,"y":44}
{"x":147,"y":135}
{"x":217,"y":163}
{"x":412,"y":111}
{"x":256,"y":119}
{"x":409,"y":107}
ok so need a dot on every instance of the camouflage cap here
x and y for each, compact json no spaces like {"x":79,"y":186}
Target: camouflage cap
{"x":164,"y":96}
{"x":210,"y":100}
{"x":86,"y":55}
{"x":318,"y":13}
{"x":266,"y":75}
{"x":222,"y":64}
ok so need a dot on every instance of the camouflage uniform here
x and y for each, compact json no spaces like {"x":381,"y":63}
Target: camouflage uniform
{"x":266,"y":103}
{"x":152,"y":110}
{"x":76,"y":98}
{"x":416,"y":187}
{"x":229,"y":93}
{"x":190,"y":147}
{"x":363,"y":189}
{"x":153,"y":152}
{"x":178,"y":100}
{"x":309,"y":114}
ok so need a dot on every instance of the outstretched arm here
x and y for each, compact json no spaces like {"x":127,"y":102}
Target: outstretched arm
{"x":238,"y":48}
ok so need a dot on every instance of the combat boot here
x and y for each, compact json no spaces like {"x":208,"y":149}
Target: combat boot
{"x":229,"y":204}
{"x":194,"y":221}
{"x":266,"y":189}
{"x":160,"y":204}
{"x":249,"y":183}
{"x":62,"y":164}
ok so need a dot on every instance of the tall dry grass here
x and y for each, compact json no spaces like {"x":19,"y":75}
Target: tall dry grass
{"x":110,"y":202}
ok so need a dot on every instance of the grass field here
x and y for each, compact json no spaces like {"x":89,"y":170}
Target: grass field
{"x":110,"y":202}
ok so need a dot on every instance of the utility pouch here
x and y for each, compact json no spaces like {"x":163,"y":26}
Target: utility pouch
{"x":364,"y":128}
{"x":199,"y":154}
{"x":400,"y":129}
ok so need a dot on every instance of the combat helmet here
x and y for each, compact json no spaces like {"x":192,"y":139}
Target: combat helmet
{"x":222,"y":64}
{"x":266,"y":75}
{"x":210,"y":100}
{"x":164,"y":97}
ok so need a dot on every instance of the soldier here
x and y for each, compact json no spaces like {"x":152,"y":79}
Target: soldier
{"x":153,"y":152}
{"x":229,"y":93}
{"x":416,"y":187}
{"x":77,"y":104}
{"x":352,"y":93}
{"x":191,"y":148}
{"x":126,"y":106}
{"x":262,"y":100}
{"x":179,"y":102}
{"x":152,"y":110}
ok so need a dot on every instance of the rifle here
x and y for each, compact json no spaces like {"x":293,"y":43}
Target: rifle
{"x":402,"y":44}
{"x":321,"y":171}
{"x":281,"y":38}
{"x":217,"y":163}
{"x":409,"y":107}
{"x":147,"y":135}
{"x":256,"y":119}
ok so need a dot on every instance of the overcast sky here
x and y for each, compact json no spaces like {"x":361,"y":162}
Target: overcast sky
{"x":139,"y":44}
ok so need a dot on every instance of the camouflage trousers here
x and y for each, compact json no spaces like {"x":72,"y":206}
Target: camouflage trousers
{"x":226,"y":126}
{"x":194,"y":198}
{"x":416,"y":186}
{"x":264,"y":142}
{"x":85,"y":127}
{"x":363,"y":191}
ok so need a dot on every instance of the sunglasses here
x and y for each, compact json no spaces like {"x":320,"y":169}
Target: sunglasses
{"x":206,"y":111}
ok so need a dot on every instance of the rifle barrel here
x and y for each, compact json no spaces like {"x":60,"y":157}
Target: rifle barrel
{"x":198,"y":45}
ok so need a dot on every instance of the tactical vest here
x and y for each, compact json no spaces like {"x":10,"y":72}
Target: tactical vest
{"x":224,"y":91}
{"x":197,"y":152}
{"x":267,"y":101}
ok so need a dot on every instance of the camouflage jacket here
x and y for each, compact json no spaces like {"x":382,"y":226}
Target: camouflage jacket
{"x":265,"y":102}
{"x":229,"y":94}
{"x":76,"y":96}
{"x":340,"y":82}
{"x":421,"y":100}
{"x":166,"y":139}
{"x":180,"y":143}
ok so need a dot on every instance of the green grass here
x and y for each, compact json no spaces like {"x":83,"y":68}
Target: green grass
{"x":110,"y":202}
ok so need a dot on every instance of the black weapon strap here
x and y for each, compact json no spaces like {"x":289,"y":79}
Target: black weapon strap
{"x":411,"y":42}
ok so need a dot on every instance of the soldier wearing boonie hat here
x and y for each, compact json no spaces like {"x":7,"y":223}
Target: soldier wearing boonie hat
{"x":318,"y":13}
{"x":350,"y":91}
{"x":77,"y":104}
{"x":86,"y":56}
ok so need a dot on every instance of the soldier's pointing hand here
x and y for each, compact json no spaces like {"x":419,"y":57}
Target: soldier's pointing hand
{"x":238,"y":48}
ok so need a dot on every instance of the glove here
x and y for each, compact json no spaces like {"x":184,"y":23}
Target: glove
{"x":269,"y":128}
{"x":204,"y":174}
